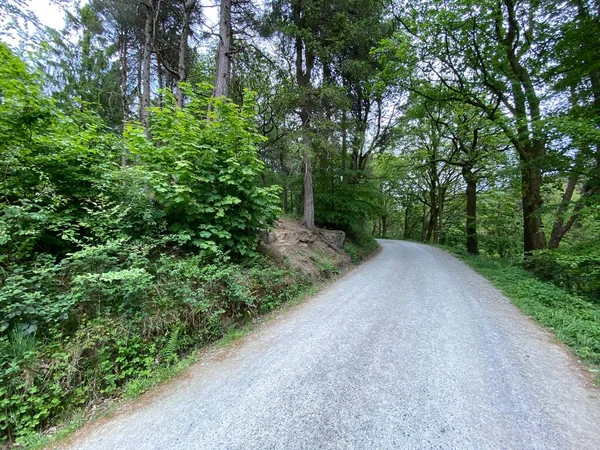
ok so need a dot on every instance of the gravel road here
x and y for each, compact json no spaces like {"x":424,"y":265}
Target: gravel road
{"x":412,"y":350}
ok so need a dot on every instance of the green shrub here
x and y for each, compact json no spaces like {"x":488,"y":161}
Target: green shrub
{"x":576,"y":268}
{"x":359,"y":245}
{"x":203,"y":172}
{"x":110,"y":272}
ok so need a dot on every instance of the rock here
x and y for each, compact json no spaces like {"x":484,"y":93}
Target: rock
{"x":314,"y":253}
{"x":335,"y":238}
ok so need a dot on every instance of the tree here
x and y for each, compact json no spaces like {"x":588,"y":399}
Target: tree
{"x":490,"y":56}
{"x":224,"y":49}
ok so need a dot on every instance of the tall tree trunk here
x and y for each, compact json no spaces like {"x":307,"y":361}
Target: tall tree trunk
{"x":308,"y":219}
{"x":424,"y":228}
{"x":188,"y":8}
{"x":533,"y":232}
{"x":161,"y":82}
{"x":146,"y":60}
{"x":437,"y":234}
{"x":123,"y":49}
{"x":344,"y":140}
{"x":224,"y":51}
{"x":530,"y":142}
{"x":472,"y":241}
{"x":431,"y":225}
{"x":303,"y":76}
{"x":406,"y":216}
{"x":140,"y":94}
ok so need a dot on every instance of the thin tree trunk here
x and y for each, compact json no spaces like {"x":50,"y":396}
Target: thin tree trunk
{"x":146,"y":71}
{"x":188,"y":8}
{"x":424,"y":228}
{"x":223,"y":77}
{"x":308,"y":219}
{"x":406,"y":215}
{"x":161,"y":82}
{"x":123,"y":48}
{"x":558,"y":230}
{"x":344,"y":139}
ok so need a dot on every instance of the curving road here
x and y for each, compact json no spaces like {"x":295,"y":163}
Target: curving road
{"x":412,"y":350}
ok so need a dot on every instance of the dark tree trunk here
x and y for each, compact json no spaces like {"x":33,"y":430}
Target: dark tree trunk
{"x":472,"y":242}
{"x":424,"y":229}
{"x":533,"y":232}
{"x":406,"y":216}
{"x":223,"y":77}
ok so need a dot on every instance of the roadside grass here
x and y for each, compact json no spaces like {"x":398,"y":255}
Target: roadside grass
{"x":360,"y":248}
{"x":574,"y":320}
{"x":132,"y":390}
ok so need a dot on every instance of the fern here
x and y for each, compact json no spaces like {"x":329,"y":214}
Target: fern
{"x":169,"y":352}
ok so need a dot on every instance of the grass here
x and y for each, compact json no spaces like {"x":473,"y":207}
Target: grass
{"x":360,"y":249}
{"x":574,"y":320}
{"x":133,"y":389}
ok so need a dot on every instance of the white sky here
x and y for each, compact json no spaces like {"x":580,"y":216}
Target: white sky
{"x":52,"y":15}
{"x":49,"y":14}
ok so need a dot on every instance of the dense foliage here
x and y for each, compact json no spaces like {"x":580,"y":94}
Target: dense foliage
{"x":110,"y":270}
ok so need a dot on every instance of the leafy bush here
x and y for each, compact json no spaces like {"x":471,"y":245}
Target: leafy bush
{"x":203,"y":172}
{"x":576,"y":268}
{"x":359,"y":245}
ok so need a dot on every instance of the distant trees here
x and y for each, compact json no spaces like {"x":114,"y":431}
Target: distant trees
{"x":502,"y":59}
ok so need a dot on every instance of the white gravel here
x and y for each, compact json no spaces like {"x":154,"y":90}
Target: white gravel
{"x":413,"y":350}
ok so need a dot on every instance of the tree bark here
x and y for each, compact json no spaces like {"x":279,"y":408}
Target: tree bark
{"x":559,"y":229}
{"x":188,"y":8}
{"x":304,"y":57}
{"x":123,"y":49}
{"x":146,"y":60}
{"x":308,"y":219}
{"x":533,"y":232}
{"x":424,"y":227}
{"x":223,"y":77}
{"x":472,"y":242}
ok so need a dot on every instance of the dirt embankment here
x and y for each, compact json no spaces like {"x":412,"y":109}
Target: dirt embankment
{"x":319,"y":253}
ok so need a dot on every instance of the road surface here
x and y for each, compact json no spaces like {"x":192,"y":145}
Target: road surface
{"x":412,"y":350}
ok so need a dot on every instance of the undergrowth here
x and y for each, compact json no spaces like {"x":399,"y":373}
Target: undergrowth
{"x":122,"y":344}
{"x":573,"y":319}
{"x":360,"y":246}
